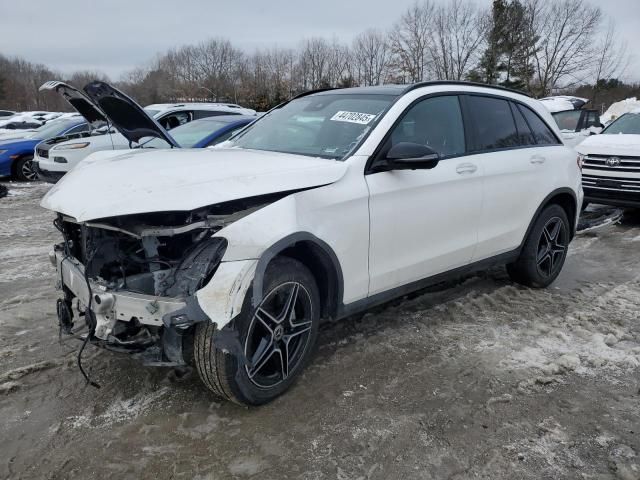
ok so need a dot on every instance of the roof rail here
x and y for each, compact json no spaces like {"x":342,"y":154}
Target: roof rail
{"x":311,"y":92}
{"x":461,"y":82}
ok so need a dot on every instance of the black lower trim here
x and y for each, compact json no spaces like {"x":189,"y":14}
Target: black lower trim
{"x":47,"y":175}
{"x":388,"y":295}
{"x":622,"y":200}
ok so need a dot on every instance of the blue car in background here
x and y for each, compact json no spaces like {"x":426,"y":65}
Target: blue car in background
{"x":205,"y":132}
{"x":16,"y":152}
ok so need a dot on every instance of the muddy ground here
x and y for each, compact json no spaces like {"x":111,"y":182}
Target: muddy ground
{"x":483,"y":379}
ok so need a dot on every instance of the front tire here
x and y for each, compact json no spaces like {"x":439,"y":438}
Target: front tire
{"x":544,"y":250}
{"x":277,"y":338}
{"x":24,"y":170}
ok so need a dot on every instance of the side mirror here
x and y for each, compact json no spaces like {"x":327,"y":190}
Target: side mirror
{"x":411,"y":156}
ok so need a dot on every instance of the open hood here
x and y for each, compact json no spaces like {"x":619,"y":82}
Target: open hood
{"x":146,"y":181}
{"x":79,"y":101}
{"x":126,"y":115}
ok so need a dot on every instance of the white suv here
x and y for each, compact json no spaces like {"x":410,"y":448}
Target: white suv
{"x":611,"y":163}
{"x":336,"y":201}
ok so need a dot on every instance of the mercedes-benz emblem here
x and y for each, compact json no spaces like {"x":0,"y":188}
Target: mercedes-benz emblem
{"x":613,"y":162}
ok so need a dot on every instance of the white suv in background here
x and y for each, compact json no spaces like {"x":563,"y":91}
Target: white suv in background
{"x":339,"y":200}
{"x":55,"y":157}
{"x":611,"y":163}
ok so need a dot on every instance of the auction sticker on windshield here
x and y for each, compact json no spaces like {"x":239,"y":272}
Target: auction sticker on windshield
{"x":353,"y":117}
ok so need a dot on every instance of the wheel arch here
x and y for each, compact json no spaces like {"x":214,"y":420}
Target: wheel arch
{"x":565,"y":198}
{"x":19,"y":156}
{"x":317,"y":256}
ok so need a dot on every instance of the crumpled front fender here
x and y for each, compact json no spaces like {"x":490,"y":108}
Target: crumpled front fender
{"x":221,"y":299}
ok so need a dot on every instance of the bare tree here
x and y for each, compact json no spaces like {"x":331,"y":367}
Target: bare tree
{"x":459,"y":30}
{"x":564,"y":53}
{"x":314,"y":63}
{"x":544,"y":44}
{"x":410,"y":38}
{"x":371,"y":57}
{"x":611,"y":58}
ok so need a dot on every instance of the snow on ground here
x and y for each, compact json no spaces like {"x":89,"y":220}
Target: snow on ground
{"x":619,"y":108}
{"x":479,"y":378}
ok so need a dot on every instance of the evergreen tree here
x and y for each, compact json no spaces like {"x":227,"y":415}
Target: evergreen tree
{"x":488,"y":69}
{"x":510,"y":46}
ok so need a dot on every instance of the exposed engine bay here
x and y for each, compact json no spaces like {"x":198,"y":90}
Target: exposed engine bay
{"x":133,"y":278}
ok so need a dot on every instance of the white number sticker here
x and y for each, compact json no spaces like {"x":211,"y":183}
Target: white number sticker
{"x":353,"y":117}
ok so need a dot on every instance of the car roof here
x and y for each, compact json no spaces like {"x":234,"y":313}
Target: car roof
{"x":187,"y":105}
{"x":395,"y":90}
{"x":399,"y":90}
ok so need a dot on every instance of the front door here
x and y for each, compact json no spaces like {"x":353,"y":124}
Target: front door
{"x":424,"y":222}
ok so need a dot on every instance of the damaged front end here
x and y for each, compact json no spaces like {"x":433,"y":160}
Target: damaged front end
{"x":134,"y":278}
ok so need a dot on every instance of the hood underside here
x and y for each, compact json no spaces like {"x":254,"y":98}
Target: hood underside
{"x":125,"y":114}
{"x":181,"y":180}
{"x":79,"y":101}
{"x":100,"y":103}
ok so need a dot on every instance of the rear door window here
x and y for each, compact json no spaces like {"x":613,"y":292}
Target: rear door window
{"x":491,"y":122}
{"x":541,"y":131}
{"x":593,"y":119}
{"x":569,"y":120}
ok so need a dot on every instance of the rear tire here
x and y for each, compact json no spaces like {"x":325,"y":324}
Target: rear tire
{"x":277,"y":338}
{"x":544,"y":250}
{"x":23,"y":170}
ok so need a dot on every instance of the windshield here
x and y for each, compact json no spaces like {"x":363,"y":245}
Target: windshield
{"x":189,"y":134}
{"x":53,"y":129}
{"x":628,"y":123}
{"x":327,"y":125}
{"x":567,"y":120}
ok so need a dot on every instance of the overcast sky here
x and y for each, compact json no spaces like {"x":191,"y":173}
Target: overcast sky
{"x":114,"y":36}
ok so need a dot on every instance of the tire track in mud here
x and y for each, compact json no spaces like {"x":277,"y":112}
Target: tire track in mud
{"x":542,"y":332}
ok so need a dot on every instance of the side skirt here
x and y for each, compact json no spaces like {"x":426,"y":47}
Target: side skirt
{"x":386,"y":296}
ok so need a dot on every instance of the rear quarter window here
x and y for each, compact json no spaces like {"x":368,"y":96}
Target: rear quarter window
{"x":541,"y":131}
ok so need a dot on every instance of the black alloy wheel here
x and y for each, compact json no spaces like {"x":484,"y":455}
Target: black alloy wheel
{"x":552,"y":247}
{"x":278,"y":335}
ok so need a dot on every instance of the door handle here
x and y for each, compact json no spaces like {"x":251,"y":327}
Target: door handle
{"x":466,"y":168}
{"x":537,"y":159}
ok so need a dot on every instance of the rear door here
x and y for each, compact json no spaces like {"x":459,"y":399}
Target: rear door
{"x":424,"y":222}
{"x":509,"y":139}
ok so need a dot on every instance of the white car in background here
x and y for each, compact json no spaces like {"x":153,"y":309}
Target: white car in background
{"x":574,"y":121}
{"x":58,"y":156}
{"x":611,"y":163}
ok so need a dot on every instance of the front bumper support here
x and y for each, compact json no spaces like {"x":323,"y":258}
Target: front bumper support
{"x":108,"y":307}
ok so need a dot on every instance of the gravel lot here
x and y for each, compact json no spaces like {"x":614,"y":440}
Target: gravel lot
{"x":482,"y":379}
